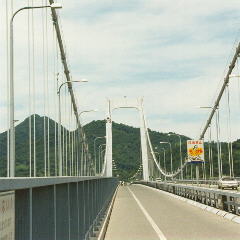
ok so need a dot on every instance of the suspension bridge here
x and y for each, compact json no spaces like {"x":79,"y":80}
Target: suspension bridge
{"x":56,"y":184}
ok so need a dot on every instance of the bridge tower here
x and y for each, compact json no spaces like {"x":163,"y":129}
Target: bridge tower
{"x":126,"y":103}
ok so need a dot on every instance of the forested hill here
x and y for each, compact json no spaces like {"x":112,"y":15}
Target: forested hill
{"x":126,"y":147}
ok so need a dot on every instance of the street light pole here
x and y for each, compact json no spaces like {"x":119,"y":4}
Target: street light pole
{"x":180,"y":146}
{"x":11,"y":170}
{"x":84,"y":143}
{"x":218,"y":143}
{"x":99,"y":157}
{"x":102,"y":158}
{"x":159,"y":159}
{"x":170,"y":146}
{"x":87,"y":111}
{"x":157,"y":153}
{"x":60,"y":167}
{"x":95,"y":156}
{"x":164,"y":160}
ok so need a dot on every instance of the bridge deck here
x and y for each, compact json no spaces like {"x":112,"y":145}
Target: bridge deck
{"x":142,"y":213}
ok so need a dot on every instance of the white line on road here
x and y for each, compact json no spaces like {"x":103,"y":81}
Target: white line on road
{"x":150,"y":220}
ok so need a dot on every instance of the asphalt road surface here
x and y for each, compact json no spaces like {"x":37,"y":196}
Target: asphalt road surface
{"x":143,"y":213}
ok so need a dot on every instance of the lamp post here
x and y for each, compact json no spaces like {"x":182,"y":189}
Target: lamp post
{"x":114,"y":165}
{"x":164,"y":160}
{"x":157,"y":153}
{"x":234,"y":76}
{"x":95,"y":156}
{"x":83,"y":157}
{"x":231,"y":167}
{"x":159,"y":159}
{"x":11,"y":170}
{"x":104,"y":150}
{"x":170,"y":146}
{"x":180,"y":149}
{"x":87,"y":111}
{"x":218,"y":143}
{"x":60,"y":171}
{"x":99,"y":156}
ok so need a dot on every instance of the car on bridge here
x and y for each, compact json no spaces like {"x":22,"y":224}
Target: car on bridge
{"x":228,"y":182}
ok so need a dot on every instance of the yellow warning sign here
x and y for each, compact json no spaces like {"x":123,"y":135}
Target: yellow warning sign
{"x":195,"y":149}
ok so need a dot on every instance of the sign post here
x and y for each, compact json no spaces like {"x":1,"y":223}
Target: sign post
{"x":195,"y":152}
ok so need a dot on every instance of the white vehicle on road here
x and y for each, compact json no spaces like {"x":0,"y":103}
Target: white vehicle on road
{"x":228,"y":182}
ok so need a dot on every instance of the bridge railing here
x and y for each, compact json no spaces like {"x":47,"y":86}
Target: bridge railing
{"x":199,"y":182}
{"x":224,"y":200}
{"x":58,"y":207}
{"x":193,"y":182}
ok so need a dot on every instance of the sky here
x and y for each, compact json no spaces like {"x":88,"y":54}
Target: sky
{"x":174,"y":54}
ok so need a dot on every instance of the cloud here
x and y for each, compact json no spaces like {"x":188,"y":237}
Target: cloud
{"x":171,"y":52}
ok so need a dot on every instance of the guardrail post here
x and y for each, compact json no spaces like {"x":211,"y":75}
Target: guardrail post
{"x":73,"y":213}
{"x":42,"y":209}
{"x":91,"y":202}
{"x":62,"y":224}
{"x":82,"y":219}
{"x":22,"y":215}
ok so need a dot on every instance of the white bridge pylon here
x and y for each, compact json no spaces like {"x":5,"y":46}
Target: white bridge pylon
{"x":114,"y":104}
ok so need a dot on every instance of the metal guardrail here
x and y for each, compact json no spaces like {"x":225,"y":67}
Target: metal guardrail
{"x":189,"y":181}
{"x":199,"y":182}
{"x":224,"y":200}
{"x":59,"y":208}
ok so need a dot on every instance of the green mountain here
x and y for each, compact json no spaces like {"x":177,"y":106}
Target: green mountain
{"x":23,"y":149}
{"x":126,"y":147}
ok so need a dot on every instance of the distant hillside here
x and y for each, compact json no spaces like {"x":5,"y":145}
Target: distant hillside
{"x":23,"y":148}
{"x":126,"y":147}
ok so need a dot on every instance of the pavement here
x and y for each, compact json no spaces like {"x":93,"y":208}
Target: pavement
{"x":142,"y":213}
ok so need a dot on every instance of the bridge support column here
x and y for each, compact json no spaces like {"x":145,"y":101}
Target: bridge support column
{"x":125,"y":103}
{"x":108,"y":154}
{"x":143,"y":143}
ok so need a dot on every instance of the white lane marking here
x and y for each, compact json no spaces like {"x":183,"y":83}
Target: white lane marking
{"x":150,"y":220}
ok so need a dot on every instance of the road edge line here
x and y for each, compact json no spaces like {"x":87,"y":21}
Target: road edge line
{"x":149,"y":218}
{"x":102,"y":233}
